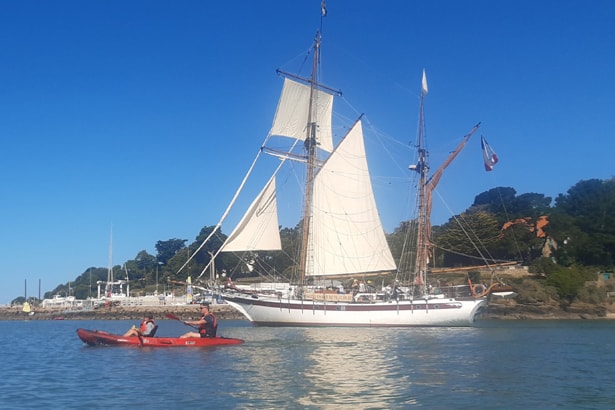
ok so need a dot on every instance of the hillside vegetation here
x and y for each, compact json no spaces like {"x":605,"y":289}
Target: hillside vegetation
{"x":565,"y":244}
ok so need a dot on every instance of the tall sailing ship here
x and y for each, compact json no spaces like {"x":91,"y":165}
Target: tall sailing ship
{"x":342,"y":237}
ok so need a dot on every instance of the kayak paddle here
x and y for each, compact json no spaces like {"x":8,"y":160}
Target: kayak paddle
{"x":172,"y":316}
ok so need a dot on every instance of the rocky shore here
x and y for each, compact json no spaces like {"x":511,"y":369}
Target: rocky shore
{"x":509,"y":309}
{"x":184,"y":312}
{"x":496,"y":310}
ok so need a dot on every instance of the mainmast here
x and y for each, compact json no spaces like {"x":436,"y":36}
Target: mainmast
{"x":426,"y":188}
{"x":422,"y":167}
{"x":310,"y":149}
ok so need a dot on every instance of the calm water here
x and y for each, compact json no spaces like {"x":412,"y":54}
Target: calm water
{"x":532,"y":365}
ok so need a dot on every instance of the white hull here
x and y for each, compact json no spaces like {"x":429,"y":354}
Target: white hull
{"x":271,"y":311}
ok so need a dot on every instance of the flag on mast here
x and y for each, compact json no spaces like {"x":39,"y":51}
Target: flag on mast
{"x":424,"y":83}
{"x":323,"y":8}
{"x":489,"y":155}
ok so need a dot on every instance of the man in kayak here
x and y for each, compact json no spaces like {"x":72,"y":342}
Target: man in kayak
{"x":208,"y":325}
{"x":145,"y":328}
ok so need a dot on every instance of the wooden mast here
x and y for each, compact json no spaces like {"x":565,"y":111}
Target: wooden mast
{"x":426,"y":188}
{"x":310,"y":149}
{"x":422,"y":167}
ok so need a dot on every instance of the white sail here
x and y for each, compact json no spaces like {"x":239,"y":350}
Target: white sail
{"x":258,"y":229}
{"x":292,"y":114}
{"x":347,"y":235}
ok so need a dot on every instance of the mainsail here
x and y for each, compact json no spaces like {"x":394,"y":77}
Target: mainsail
{"x":346,"y":235}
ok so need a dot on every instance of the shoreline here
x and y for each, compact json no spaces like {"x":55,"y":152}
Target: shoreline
{"x":184,"y":312}
{"x":510,"y":310}
{"x":495,"y":311}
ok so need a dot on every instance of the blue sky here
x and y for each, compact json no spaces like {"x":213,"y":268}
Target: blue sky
{"x":143,"y":116}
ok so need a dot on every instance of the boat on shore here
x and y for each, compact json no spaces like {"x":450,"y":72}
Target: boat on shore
{"x":101,"y":338}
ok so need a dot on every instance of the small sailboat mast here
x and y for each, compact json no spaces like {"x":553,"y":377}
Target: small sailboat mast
{"x":110,"y":267}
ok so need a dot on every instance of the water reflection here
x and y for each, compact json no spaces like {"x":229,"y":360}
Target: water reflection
{"x":352,"y":367}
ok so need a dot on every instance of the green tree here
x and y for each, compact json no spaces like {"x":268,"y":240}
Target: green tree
{"x":586,"y":222}
{"x":285,"y":262}
{"x":203,"y":256}
{"x":169,"y":248}
{"x":567,"y":281}
{"x":507,"y":206}
{"x":496,"y":200}
{"x":402,"y":243}
{"x":465,"y":239}
{"x":531,"y":204}
{"x":144,"y":261}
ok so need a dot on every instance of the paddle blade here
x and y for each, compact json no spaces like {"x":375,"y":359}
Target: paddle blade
{"x":172,"y":316}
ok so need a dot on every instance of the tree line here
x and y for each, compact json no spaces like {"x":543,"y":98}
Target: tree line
{"x":566,"y":239}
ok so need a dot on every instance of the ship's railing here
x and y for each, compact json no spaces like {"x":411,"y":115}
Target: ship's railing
{"x":328,"y":296}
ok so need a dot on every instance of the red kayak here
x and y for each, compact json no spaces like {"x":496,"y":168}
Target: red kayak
{"x":98,"y":337}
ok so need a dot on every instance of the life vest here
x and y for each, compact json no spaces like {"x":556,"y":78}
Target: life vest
{"x":212,"y":327}
{"x":144,"y":323}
